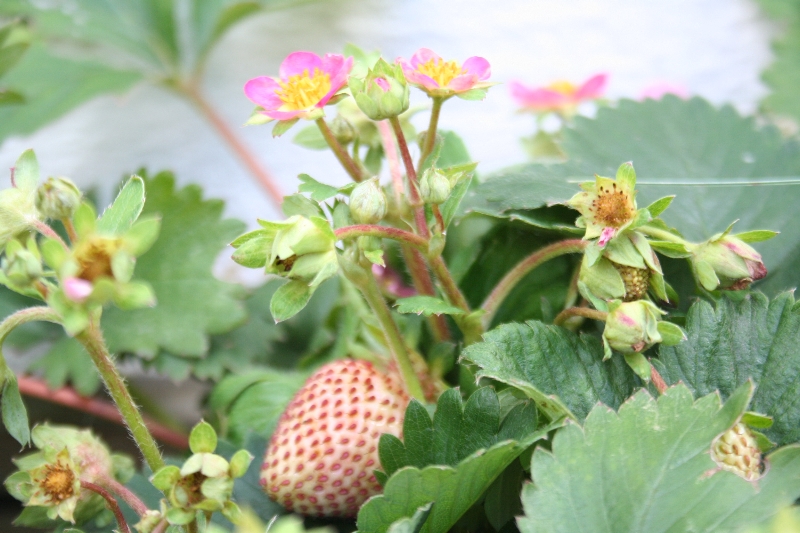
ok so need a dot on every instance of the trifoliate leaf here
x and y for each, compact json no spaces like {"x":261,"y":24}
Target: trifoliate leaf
{"x":452,"y":489}
{"x":456,"y":431}
{"x":192,"y":303}
{"x":648,"y":468}
{"x":427,"y":305}
{"x":563,"y":373}
{"x":744,"y":337}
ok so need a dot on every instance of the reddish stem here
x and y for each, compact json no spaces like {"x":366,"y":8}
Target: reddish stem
{"x":386,"y":232}
{"x":112,"y":504}
{"x":133,"y":501}
{"x":265,"y":179}
{"x":585,"y":312}
{"x":416,"y":201}
{"x":658,"y":381}
{"x":390,"y":149}
{"x":68,"y":397}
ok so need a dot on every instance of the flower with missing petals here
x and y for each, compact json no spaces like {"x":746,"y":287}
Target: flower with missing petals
{"x":440,"y":78}
{"x":560,"y":97}
{"x":305,"y":85}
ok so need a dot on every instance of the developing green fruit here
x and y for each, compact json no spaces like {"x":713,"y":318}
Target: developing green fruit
{"x":737,"y":451}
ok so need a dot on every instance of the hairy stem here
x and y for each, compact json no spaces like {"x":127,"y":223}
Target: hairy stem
{"x":70,"y":227}
{"x":658,"y":381}
{"x":430,"y":135}
{"x":372,"y":294}
{"x":112,"y":504}
{"x":47,"y":231}
{"x":236,"y":143}
{"x":92,"y":340}
{"x":416,"y":201}
{"x":585,"y":312}
{"x":384,"y":232}
{"x":125,"y":494}
{"x":492,"y":302}
{"x":68,"y":397}
{"x":352,"y":168}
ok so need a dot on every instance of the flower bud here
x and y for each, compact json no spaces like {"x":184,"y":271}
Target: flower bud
{"x":434,"y":186}
{"x":632,"y":326}
{"x":303,"y":249}
{"x":726,"y":263}
{"x":383,"y":93}
{"x":341,"y":128}
{"x":57,"y":198}
{"x":22,"y":266}
{"x":368,"y":202}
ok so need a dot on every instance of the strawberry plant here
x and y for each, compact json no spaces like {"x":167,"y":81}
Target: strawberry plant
{"x":573,"y":344}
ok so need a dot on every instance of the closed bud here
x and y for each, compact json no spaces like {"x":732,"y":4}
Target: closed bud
{"x":22,"y":266}
{"x":632,"y":327}
{"x":434,"y":187}
{"x":57,"y":198}
{"x":383,"y":93}
{"x":344,"y":132}
{"x":368,"y":202}
{"x":726,"y":263}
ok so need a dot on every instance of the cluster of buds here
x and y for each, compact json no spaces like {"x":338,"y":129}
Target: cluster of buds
{"x":21,"y":266}
{"x":51,"y":477}
{"x":203,"y":483}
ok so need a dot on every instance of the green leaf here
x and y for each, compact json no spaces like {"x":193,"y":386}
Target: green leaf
{"x":474,"y":94}
{"x":756,"y":235}
{"x":290,"y":299}
{"x":318,"y":191}
{"x":67,"y":362}
{"x":744,"y":337}
{"x":15,"y":416}
{"x":456,"y":432}
{"x":427,"y":305}
{"x":563,"y":373}
{"x":310,"y":137}
{"x":126,"y":208}
{"x":413,"y":524}
{"x":648,"y":468}
{"x":26,"y":171}
{"x":453,"y":489}
{"x":282,"y":126}
{"x":297,"y":204}
{"x":660,"y":205}
{"x":192,"y":304}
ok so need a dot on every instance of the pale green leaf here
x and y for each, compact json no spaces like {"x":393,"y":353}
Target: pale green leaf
{"x":427,"y":305}
{"x":318,"y":191}
{"x":290,"y":299}
{"x":126,"y":208}
{"x":15,"y":416}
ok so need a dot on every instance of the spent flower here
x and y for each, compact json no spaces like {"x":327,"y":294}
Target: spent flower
{"x":306,"y":83}
{"x":383,"y":93}
{"x":561,"y":97}
{"x":440,"y":78}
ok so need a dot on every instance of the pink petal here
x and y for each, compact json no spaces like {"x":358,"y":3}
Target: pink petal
{"x":339,"y":71}
{"x":463,"y":83}
{"x":417,"y":78}
{"x":261,"y":91}
{"x":606,"y":235}
{"x":592,"y":88}
{"x":423,"y":55}
{"x":282,"y":115}
{"x":538,"y":98}
{"x":77,"y":289}
{"x":297,"y":62}
{"x":658,"y":90}
{"x":478,"y":67}
{"x":382,"y":83}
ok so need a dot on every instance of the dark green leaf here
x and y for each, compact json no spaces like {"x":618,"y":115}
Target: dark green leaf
{"x":744,"y":337}
{"x":15,"y":417}
{"x":648,"y":468}
{"x":413,"y":524}
{"x":563,"y":373}
{"x":427,"y":305}
{"x":192,"y":304}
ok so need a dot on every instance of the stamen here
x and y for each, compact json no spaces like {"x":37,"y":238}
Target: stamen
{"x":441,"y":71}
{"x":303,"y":91}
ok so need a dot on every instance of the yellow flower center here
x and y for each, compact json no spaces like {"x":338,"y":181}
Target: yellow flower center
{"x":57,"y":483}
{"x":94,"y":258}
{"x":441,"y":71}
{"x":304,"y":91}
{"x":563,"y":87}
{"x":612,"y":207}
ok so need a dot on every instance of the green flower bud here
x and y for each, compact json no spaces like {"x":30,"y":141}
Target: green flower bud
{"x":434,"y":186}
{"x":632,"y":327}
{"x":368,"y":202}
{"x":22,"y":266}
{"x":57,"y":198}
{"x":726,"y":262}
{"x":344,"y":132}
{"x":383,"y":93}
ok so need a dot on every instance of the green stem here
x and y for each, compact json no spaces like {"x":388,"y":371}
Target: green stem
{"x":70,"y":227}
{"x":372,"y":294}
{"x":47,"y":231}
{"x":92,"y":340}
{"x":341,"y":154}
{"x":660,"y":234}
{"x":430,"y":135}
{"x":492,"y":302}
{"x":384,"y":232}
{"x":23,"y":316}
{"x":413,"y":190}
{"x":585,"y":312}
{"x":472,"y":329}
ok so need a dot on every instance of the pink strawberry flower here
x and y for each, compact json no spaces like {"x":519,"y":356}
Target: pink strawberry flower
{"x":307,"y":82}
{"x":440,"y":78}
{"x":561,"y":97}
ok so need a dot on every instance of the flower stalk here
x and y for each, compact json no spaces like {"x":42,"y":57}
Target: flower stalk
{"x":351,"y":167}
{"x":416,"y":201}
{"x":430,"y":135}
{"x":112,"y":504}
{"x":585,"y":312}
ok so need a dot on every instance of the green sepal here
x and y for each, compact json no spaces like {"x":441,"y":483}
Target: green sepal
{"x":639,"y":364}
{"x":166,"y":477}
{"x":660,"y":205}
{"x":473,"y":94}
{"x":123,"y":212}
{"x":142,"y":235}
{"x":763,"y":442}
{"x":53,"y":253}
{"x":239,"y":463}
{"x":289,"y":300}
{"x":85,"y":220}
{"x":622,"y":251}
{"x":253,"y":248}
{"x":626,"y":175}
{"x":282,"y":126}
{"x":179,"y":517}
{"x":675,"y":250}
{"x":203,"y":438}
{"x":757,"y":420}
{"x":122,"y":265}
{"x":26,"y":171}
{"x":132,"y":295}
{"x":671,"y":334}
{"x":297,"y":204}
{"x":257,"y":118}
{"x":232,"y":512}
{"x":758,"y":235}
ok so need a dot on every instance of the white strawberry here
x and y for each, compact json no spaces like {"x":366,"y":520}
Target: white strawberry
{"x":324,"y":450}
{"x":737,"y":451}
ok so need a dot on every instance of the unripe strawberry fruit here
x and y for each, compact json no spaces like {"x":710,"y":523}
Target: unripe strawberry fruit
{"x":737,"y":451}
{"x":637,"y":281}
{"x":324,"y":451}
